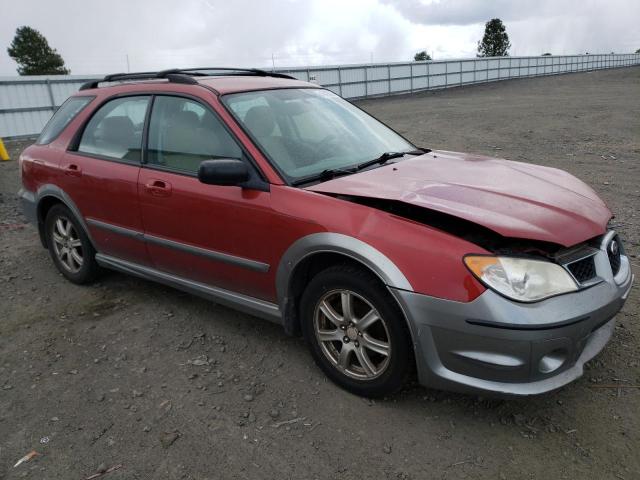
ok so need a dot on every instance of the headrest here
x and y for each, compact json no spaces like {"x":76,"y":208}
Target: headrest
{"x":118,"y":130}
{"x":260,"y":121}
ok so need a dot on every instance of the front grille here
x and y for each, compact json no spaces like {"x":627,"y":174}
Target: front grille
{"x":583,"y":270}
{"x":614,"y":250}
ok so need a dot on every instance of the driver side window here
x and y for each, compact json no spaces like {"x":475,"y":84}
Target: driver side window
{"x":183,"y":133}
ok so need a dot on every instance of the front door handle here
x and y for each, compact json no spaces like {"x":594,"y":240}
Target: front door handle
{"x":158,"y":188}
{"x":73,"y":170}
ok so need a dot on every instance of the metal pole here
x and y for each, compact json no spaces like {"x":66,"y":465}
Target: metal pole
{"x":446,"y":74}
{"x":366,"y":81}
{"x":428,"y":65}
{"x":50,"y":90}
{"x":411,"y":77}
{"x":128,"y":66}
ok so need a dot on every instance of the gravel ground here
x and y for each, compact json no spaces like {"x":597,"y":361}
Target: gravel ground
{"x":165,"y":385}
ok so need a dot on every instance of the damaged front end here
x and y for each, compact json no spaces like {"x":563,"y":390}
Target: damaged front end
{"x":505,"y":345}
{"x":578,"y":260}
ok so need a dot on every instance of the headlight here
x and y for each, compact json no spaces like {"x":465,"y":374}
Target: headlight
{"x":521,"y":279}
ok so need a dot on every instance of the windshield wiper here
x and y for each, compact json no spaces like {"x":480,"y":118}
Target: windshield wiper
{"x":327,"y":174}
{"x":330,"y":173}
{"x":386,"y":156}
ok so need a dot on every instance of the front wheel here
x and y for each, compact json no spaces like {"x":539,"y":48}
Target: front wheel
{"x":356,"y":332}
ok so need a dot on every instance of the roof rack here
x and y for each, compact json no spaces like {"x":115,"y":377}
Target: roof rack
{"x":184,"y":75}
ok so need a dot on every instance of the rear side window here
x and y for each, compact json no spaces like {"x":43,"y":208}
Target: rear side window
{"x":67,"y":112}
{"x":183,"y":133}
{"x":115,"y":130}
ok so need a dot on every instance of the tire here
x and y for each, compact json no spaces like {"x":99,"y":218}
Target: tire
{"x":69,"y":246}
{"x":363,"y":368}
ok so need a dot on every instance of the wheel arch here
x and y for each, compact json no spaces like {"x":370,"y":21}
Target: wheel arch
{"x":46,"y":197}
{"x":315,"y":252}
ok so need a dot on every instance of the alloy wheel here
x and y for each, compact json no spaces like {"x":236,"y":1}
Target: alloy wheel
{"x":67,"y":245}
{"x":352,"y":335}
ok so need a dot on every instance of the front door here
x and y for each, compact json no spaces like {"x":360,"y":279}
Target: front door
{"x":217,"y":235}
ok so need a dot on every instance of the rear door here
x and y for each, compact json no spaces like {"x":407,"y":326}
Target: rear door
{"x":217,"y":235}
{"x":101,"y":173}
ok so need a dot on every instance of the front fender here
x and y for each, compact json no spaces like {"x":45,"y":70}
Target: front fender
{"x":351,"y":247}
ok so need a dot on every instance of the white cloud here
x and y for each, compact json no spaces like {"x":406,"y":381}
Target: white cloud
{"x":97,"y":37}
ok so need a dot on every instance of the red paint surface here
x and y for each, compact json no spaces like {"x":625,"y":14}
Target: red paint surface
{"x":514,"y":199}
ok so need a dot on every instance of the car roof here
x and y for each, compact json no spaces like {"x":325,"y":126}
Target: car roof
{"x":224,"y":80}
{"x":233,"y":84}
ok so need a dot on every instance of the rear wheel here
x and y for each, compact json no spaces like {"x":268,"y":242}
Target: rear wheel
{"x":69,"y":246}
{"x":356,"y":332}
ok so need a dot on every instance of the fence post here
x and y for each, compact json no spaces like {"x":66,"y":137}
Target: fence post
{"x":366,"y":81}
{"x":340,"y":81}
{"x":50,"y":90}
{"x":389,"y":78}
{"x":411,"y":77}
{"x":446,"y":74}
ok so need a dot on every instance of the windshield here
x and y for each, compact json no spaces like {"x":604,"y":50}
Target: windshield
{"x":307,"y":131}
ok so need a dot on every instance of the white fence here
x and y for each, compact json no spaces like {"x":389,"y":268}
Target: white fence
{"x":26,"y":103}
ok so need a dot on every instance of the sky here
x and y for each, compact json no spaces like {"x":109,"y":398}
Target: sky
{"x":99,"y":37}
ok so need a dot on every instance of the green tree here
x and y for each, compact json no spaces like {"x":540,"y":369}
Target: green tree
{"x":546,"y":54}
{"x":495,"y":42}
{"x":31,"y":51}
{"x":638,"y":50}
{"x":422,"y":56}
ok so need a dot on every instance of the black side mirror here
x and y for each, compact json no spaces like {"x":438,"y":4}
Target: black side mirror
{"x":223,"y":171}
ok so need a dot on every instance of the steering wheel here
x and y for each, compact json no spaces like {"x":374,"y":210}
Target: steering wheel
{"x":323,"y":147}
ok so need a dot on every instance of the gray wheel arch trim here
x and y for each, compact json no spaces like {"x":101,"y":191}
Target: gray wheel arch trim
{"x":49,"y":190}
{"x":351,"y":247}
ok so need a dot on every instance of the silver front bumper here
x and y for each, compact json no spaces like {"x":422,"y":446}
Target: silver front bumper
{"x":495,"y":345}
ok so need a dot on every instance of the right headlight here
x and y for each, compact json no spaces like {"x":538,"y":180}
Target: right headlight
{"x":521,"y":279}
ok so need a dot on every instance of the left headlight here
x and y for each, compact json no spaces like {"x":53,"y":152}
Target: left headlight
{"x":521,"y":279}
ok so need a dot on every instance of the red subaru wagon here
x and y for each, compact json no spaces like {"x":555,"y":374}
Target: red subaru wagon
{"x":279,"y":198}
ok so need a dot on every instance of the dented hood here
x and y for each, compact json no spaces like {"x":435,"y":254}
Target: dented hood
{"x":513,"y":199}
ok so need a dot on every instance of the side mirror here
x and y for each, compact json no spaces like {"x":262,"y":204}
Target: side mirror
{"x":223,"y":171}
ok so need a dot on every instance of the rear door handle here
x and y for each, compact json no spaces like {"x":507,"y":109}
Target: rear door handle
{"x":158,"y":188}
{"x":73,"y":170}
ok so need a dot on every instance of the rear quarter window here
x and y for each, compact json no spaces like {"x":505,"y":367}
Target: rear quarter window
{"x":67,"y":112}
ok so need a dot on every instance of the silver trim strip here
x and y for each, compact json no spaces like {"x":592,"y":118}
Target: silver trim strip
{"x":239,"y":301}
{"x":210,"y":254}
{"x":201,"y":252}
{"x":125,"y":232}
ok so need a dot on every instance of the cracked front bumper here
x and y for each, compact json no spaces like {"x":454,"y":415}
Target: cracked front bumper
{"x":494,"y":345}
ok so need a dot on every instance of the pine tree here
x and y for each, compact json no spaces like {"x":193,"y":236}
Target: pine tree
{"x":34,"y":56}
{"x":495,"y":42}
{"x":422,"y":56}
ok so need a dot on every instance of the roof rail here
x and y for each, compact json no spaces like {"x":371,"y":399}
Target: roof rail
{"x":184,"y":75}
{"x":216,"y":71}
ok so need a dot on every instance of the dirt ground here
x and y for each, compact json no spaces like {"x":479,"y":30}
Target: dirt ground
{"x":130,"y":373}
